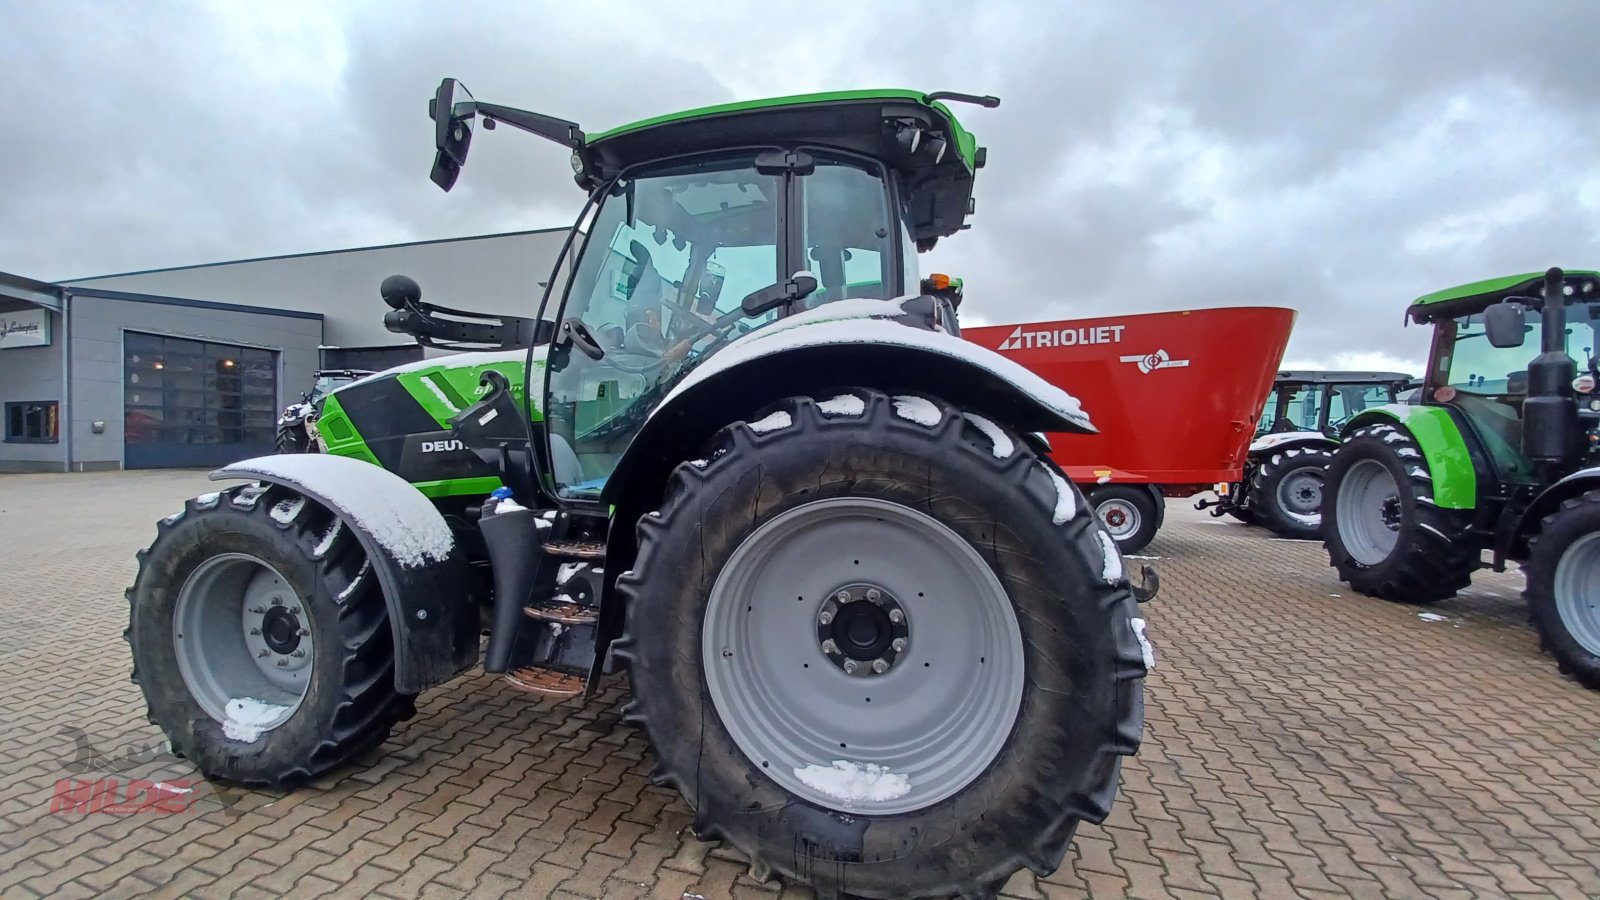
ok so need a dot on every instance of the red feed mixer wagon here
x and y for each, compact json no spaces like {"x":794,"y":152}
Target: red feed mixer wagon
{"x":1175,"y":396}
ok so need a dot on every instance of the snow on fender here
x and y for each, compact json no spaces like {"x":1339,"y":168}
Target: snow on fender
{"x":409,"y":545}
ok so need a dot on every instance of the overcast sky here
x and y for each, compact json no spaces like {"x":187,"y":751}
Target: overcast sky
{"x":1338,"y":158}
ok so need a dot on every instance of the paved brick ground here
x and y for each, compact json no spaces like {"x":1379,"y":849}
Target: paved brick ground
{"x":1300,"y":741}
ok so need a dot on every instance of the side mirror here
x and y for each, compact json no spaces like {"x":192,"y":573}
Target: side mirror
{"x":1506,"y":324}
{"x":400,"y":291}
{"x":799,"y":287}
{"x":452,"y":110}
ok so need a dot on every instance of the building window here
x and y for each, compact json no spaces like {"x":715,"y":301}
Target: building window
{"x":32,"y":422}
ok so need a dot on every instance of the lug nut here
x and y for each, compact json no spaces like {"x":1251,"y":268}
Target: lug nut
{"x":899,"y":645}
{"x":294,"y":610}
{"x":304,"y":632}
{"x":283,"y":663}
{"x":828,"y":646}
{"x":298,"y":654}
{"x":254,"y":632}
{"x":896,"y":616}
{"x":874,"y":594}
{"x":263,"y":653}
{"x":880,"y":666}
{"x":849,"y":667}
{"x":843,"y":597}
{"x":825,"y":618}
{"x":259,"y":610}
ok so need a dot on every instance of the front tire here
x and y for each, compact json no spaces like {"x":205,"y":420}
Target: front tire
{"x":261,"y":638}
{"x":1564,"y":587}
{"x":999,"y":723}
{"x":1383,"y":532}
{"x":293,"y":439}
{"x":1286,"y":492}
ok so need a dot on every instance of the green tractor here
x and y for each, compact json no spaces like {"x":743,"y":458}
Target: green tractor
{"x":874,"y":637}
{"x":1496,"y":452}
{"x":1296,"y":436}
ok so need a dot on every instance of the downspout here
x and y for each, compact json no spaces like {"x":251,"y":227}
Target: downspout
{"x":65,"y":423}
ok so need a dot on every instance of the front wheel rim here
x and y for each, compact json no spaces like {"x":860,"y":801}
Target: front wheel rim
{"x":1300,"y":495}
{"x":1120,"y":518}
{"x":242,"y":633}
{"x":933,"y":708}
{"x":1577,"y":592}
{"x":1369,"y":525}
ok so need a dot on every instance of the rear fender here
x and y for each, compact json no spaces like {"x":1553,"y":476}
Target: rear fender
{"x":1455,"y":481}
{"x":425,"y":577}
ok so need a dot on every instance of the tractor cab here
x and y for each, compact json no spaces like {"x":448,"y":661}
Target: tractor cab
{"x":1482,"y":363}
{"x":705,"y":225}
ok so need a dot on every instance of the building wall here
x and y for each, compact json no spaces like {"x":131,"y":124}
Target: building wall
{"x":32,"y":373}
{"x":496,"y":273}
{"x":97,"y":359}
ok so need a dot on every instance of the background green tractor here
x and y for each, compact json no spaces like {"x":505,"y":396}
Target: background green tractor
{"x":1496,"y":453}
{"x":1295,"y":438}
{"x":875,"y":638}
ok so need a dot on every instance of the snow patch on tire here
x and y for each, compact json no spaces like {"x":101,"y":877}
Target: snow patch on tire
{"x":854,"y":782}
{"x":1066,"y":506}
{"x":285,"y":511}
{"x":1111,"y":569}
{"x":247,"y":717}
{"x":843,"y":405}
{"x":1146,"y":649}
{"x":773,"y":422}
{"x":920,"y":410}
{"x":1003,"y":445}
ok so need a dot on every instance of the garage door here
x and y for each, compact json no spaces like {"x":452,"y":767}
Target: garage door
{"x":189,"y":403}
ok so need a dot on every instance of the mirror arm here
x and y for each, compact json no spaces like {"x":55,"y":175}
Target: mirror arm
{"x":561,"y":131}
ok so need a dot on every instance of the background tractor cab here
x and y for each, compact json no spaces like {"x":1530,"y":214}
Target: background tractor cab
{"x":1499,"y":451}
{"x":1281,"y":484}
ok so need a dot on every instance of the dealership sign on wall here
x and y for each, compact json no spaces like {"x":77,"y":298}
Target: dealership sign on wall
{"x":30,"y":328}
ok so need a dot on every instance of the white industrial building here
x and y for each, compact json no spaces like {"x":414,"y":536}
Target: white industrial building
{"x":189,"y":366}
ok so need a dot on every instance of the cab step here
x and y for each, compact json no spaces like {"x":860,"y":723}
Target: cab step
{"x":545,"y":682}
{"x":561,"y":612}
{"x":592,"y":550}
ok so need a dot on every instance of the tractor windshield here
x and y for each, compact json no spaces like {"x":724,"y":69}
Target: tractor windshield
{"x":671,"y":254}
{"x":1468,"y":363}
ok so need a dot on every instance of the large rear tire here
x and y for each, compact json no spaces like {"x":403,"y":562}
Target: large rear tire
{"x":261,"y":639}
{"x":1564,"y":587}
{"x":883,"y":582}
{"x":1383,"y":532}
{"x":1286,"y":492}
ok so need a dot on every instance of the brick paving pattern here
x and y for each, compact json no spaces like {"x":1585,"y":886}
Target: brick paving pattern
{"x":1300,"y":741}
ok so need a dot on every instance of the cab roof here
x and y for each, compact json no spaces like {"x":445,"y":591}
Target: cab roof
{"x":937,"y":186}
{"x":1476,"y":296}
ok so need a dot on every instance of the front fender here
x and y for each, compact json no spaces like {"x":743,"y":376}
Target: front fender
{"x":424,"y":576}
{"x":1455,"y":482}
{"x":1282,"y":440}
{"x":1551,"y":498}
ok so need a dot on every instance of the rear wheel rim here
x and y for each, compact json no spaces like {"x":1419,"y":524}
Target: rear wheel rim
{"x":241,"y":632}
{"x":1300,"y":495}
{"x":1369,"y":522}
{"x":1577,"y":592}
{"x":1120,"y":518}
{"x":945,"y":700}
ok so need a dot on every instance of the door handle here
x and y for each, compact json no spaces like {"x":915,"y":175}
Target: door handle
{"x":575,"y":332}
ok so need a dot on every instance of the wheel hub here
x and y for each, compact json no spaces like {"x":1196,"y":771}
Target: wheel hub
{"x":281,"y":630}
{"x":1391,"y":513}
{"x":862,"y":630}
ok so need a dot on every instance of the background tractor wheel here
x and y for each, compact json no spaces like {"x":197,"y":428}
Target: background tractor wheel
{"x":864,"y":670}
{"x":1383,"y":532}
{"x":293,"y":439}
{"x":261,"y":639}
{"x":1286,"y":492}
{"x":1564,"y":587}
{"x":1128,"y":514}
